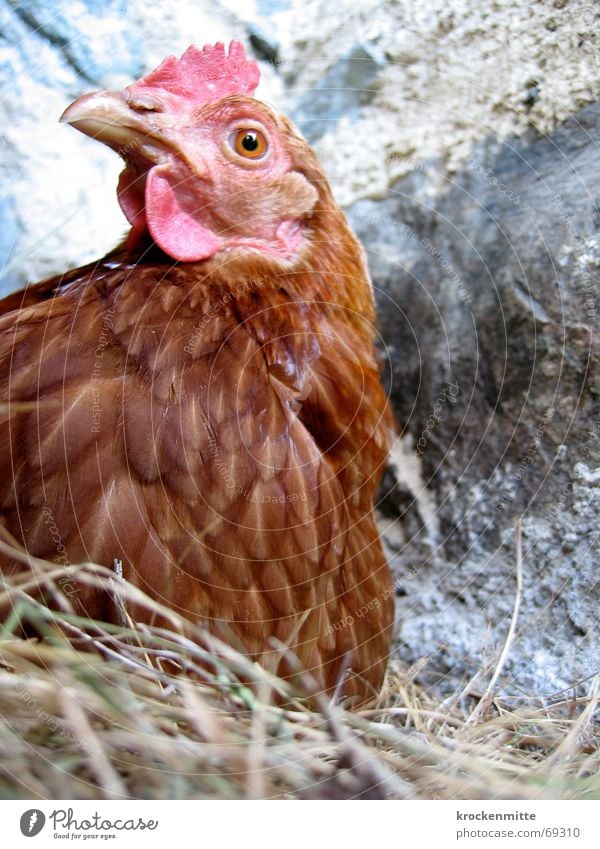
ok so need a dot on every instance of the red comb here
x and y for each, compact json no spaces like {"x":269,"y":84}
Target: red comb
{"x":201,"y":76}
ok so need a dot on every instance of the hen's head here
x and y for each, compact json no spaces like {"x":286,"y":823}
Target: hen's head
{"x":208,"y":167}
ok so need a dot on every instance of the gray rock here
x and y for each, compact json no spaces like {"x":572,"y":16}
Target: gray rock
{"x":92,"y":36}
{"x":347,"y":86}
{"x":264,"y":44}
{"x":488,"y":283}
{"x":266,"y":8}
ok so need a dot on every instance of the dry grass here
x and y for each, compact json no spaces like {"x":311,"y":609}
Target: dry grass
{"x":108,"y":719}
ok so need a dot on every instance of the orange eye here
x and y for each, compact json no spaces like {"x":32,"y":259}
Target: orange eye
{"x":251,"y":144}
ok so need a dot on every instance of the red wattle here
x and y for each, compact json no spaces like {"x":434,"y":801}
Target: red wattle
{"x":172,"y":227}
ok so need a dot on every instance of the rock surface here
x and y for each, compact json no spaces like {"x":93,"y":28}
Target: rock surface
{"x":348,"y":85}
{"x":488,"y":298}
{"x":464,"y":146}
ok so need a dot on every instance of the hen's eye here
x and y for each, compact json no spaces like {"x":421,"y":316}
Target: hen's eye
{"x":251,"y":144}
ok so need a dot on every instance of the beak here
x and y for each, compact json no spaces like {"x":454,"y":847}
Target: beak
{"x":103,"y":115}
{"x":107,"y":117}
{"x":148,"y":136}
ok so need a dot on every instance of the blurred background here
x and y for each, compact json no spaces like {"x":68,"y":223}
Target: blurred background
{"x":462,"y":139}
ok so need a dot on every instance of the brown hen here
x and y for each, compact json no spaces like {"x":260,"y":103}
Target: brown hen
{"x":207,"y":401}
